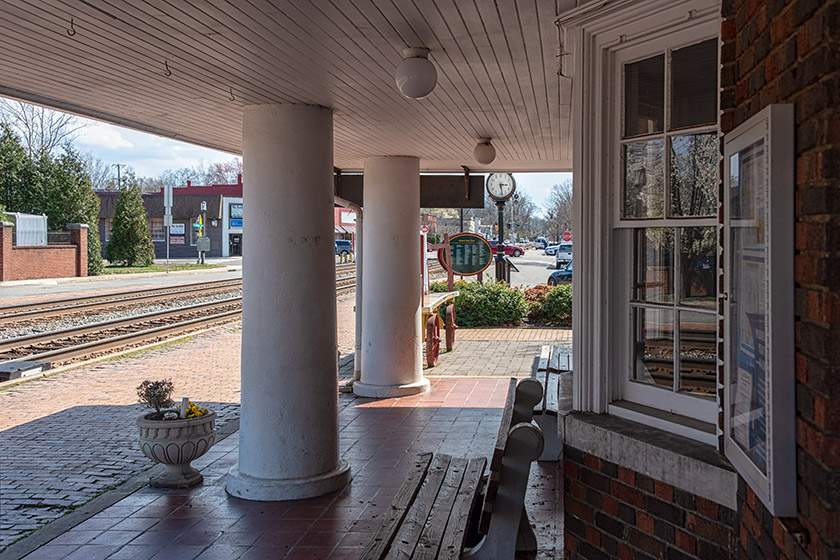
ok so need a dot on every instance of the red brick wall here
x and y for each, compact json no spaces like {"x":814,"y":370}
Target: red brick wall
{"x":777,"y":51}
{"x":53,"y":261}
{"x":614,"y":512}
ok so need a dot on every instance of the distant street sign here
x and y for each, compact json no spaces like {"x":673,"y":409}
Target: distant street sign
{"x":567,"y":236}
{"x":177,"y":229}
{"x":471,"y":254}
{"x":424,"y":229}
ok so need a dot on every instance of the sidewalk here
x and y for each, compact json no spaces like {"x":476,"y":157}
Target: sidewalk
{"x":71,"y":437}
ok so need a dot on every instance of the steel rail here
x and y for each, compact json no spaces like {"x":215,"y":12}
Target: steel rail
{"x":34,"y":310}
{"x":123,"y":340}
{"x":9,"y":344}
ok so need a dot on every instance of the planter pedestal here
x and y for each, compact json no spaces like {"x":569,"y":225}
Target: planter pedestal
{"x":176,"y":443}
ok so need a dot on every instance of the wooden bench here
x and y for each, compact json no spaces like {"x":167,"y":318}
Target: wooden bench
{"x":446,"y":509}
{"x":432,"y":323}
{"x":554,"y":372}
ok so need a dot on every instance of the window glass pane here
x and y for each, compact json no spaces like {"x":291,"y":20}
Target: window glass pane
{"x":643,"y":179}
{"x":694,"y":178}
{"x":694,"y":85}
{"x":654,"y":265}
{"x":698,"y":267}
{"x":653,"y":349}
{"x":156,"y":229}
{"x":698,"y":353}
{"x":748,"y":357}
{"x":644,"y":96}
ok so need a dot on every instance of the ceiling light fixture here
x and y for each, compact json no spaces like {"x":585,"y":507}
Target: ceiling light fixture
{"x":484,"y":152}
{"x":416,"y":75}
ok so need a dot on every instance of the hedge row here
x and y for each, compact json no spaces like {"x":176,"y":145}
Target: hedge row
{"x":494,"y":304}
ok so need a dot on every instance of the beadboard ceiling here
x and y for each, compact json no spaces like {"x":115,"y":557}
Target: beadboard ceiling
{"x":185,"y":69}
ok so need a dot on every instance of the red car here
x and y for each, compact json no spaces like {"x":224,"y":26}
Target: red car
{"x":510,"y":250}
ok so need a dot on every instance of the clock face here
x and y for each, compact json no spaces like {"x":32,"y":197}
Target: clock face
{"x":500,"y":186}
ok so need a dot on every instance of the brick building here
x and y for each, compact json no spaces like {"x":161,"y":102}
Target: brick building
{"x":654,"y":454}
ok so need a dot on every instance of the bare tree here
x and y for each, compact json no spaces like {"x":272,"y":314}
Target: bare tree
{"x":101,"y":174}
{"x":41,"y":129}
{"x":558,"y":209}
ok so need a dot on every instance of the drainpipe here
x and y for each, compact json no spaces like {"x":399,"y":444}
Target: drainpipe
{"x":357,"y":358}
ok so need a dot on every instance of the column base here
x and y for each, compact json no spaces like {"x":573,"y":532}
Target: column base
{"x":275,"y":489}
{"x":389,"y":391}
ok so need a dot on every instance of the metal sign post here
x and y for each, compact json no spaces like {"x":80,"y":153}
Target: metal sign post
{"x":167,"y":218}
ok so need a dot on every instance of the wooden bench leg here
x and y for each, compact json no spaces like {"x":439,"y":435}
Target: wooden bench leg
{"x":526,"y":539}
{"x":553,"y":449}
{"x":508,"y":522}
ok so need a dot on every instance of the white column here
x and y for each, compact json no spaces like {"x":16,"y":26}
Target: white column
{"x":288,"y":436}
{"x":391,"y":293}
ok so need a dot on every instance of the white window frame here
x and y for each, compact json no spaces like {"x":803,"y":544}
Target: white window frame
{"x":595,"y":34}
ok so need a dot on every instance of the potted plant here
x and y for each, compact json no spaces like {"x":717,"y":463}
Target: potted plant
{"x":174,"y":436}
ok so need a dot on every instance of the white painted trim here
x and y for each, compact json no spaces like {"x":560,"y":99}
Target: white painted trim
{"x":670,"y":423}
{"x":592,"y":33}
{"x":777,"y":489}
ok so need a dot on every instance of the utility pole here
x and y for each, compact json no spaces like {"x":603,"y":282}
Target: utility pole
{"x":119,"y":179}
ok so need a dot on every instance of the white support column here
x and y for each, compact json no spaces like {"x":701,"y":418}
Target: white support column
{"x":288,"y":446}
{"x":391,"y":297}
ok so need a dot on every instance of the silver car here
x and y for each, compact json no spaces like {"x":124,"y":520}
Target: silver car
{"x":562,"y":255}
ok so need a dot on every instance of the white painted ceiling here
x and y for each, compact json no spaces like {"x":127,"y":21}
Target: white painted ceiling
{"x":186,"y":68}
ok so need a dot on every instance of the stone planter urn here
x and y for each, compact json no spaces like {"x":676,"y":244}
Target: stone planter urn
{"x":176,"y":443}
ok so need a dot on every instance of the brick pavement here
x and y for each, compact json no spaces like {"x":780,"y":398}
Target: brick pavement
{"x":67,"y":438}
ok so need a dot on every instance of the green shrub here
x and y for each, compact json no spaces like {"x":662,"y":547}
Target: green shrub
{"x":536,"y":302}
{"x":489,"y":304}
{"x":558,"y":305}
{"x":442,"y":286}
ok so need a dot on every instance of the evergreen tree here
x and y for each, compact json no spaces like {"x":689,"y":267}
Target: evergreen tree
{"x":57,"y":186}
{"x":130,"y":243}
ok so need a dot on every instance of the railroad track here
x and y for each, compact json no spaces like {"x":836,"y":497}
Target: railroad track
{"x":65,"y":346}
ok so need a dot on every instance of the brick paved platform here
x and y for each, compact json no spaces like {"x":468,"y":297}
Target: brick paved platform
{"x":68,"y":438}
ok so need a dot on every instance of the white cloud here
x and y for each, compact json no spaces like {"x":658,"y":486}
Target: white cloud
{"x":103,"y":136}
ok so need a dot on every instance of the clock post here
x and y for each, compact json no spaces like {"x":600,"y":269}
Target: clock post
{"x":501,"y":264}
{"x":500,"y":187}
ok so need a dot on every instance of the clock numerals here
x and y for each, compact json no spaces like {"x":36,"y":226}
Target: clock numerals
{"x":500,"y":186}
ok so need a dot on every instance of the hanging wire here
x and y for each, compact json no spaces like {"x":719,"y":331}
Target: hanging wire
{"x":72,"y":30}
{"x":232,"y":98}
{"x":168,"y":71}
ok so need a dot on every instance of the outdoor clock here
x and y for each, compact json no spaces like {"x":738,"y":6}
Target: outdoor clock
{"x":500,"y":186}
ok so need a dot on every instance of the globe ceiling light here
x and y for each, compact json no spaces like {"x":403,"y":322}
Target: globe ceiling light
{"x":416,"y":75}
{"x":484,"y":152}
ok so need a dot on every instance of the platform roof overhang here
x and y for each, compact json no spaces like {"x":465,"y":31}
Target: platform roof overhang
{"x":186,"y":68}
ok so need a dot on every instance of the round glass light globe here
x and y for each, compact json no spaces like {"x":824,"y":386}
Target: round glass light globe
{"x":484,"y":153}
{"x":416,"y":77}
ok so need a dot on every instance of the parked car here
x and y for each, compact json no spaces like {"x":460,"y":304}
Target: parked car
{"x":551,"y":249}
{"x":510,"y":250}
{"x":563,"y":254}
{"x":562,"y":276}
{"x":540,"y":243}
{"x":343,"y":247}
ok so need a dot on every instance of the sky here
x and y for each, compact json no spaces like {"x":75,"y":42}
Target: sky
{"x":150,"y":155}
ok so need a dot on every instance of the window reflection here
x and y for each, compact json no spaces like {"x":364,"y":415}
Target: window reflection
{"x":654,"y":265}
{"x":653,"y":360}
{"x":698,"y":353}
{"x":694,"y":181}
{"x":698,"y":267}
{"x":644,"y":179}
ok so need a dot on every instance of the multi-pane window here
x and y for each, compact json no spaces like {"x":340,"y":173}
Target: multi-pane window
{"x":156,"y":229}
{"x":669,"y":201}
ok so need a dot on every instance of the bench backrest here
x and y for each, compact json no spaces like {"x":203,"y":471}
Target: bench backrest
{"x":519,"y":407}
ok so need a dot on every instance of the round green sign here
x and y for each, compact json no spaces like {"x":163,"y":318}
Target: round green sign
{"x":471,"y":254}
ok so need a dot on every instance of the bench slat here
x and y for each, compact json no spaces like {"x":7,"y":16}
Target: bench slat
{"x":552,"y":394}
{"x":429,"y":542}
{"x":396,"y":513}
{"x":540,"y":406}
{"x":545,"y":356}
{"x":559,"y":359}
{"x":456,"y":527}
{"x":415,"y":518}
